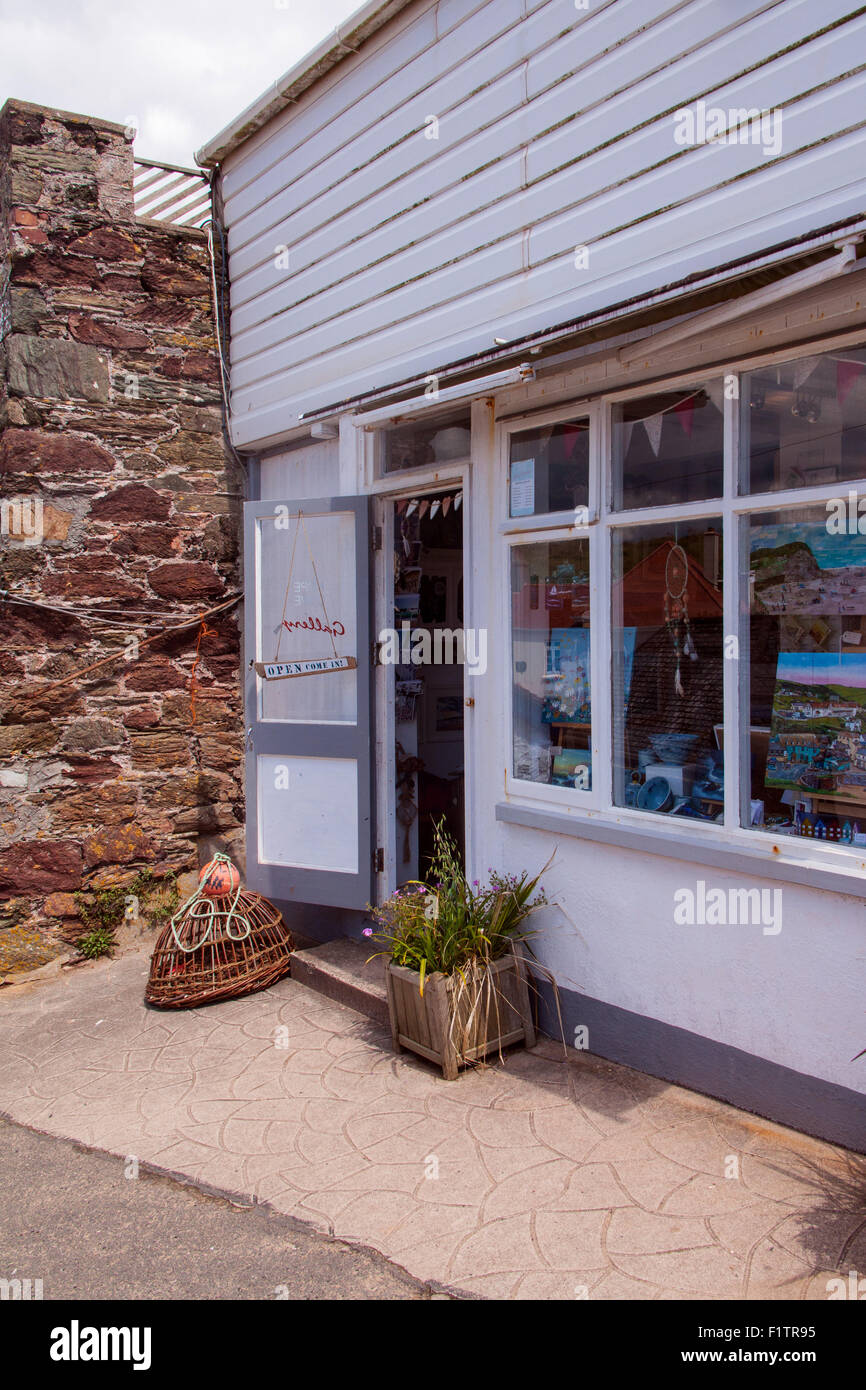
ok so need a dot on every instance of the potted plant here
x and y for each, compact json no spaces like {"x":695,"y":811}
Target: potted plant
{"x":455,"y":973}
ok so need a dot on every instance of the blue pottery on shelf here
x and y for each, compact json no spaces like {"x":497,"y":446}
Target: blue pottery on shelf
{"x":655,"y":795}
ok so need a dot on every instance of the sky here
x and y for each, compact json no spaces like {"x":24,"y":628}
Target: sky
{"x":831,"y":551}
{"x":177,"y":70}
{"x":822,"y":668}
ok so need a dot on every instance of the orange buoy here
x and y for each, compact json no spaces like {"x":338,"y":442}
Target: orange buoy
{"x":219,"y":878}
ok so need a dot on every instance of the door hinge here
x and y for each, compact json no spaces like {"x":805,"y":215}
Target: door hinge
{"x":376,"y":539}
{"x":378,"y":861}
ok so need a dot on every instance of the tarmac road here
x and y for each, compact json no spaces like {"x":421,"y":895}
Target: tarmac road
{"x":69,"y":1217}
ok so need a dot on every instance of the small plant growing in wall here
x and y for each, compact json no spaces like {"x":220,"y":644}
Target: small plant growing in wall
{"x":102,"y":912}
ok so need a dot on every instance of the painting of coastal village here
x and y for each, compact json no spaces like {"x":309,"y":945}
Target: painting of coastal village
{"x":800,"y":567}
{"x":818,"y":732}
{"x":815,"y":581}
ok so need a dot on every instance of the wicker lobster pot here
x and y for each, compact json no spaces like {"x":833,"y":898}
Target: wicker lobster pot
{"x":198,"y":961}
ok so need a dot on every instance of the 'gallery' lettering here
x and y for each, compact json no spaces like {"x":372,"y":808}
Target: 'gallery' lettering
{"x":310,"y":624}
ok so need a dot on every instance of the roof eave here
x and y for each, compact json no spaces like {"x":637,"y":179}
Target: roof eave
{"x":344,"y":40}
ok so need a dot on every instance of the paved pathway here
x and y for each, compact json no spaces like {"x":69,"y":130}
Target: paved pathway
{"x":539,"y":1178}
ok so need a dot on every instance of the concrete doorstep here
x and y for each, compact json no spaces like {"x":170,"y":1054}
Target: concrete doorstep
{"x":343,"y":971}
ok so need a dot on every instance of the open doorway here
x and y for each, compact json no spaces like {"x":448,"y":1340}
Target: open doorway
{"x":428,"y":686}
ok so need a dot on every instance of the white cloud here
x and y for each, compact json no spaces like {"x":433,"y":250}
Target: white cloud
{"x":183,"y":68}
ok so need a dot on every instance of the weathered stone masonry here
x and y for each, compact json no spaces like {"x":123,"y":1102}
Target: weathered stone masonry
{"x":110,"y":417}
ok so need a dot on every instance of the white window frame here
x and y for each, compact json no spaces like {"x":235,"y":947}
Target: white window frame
{"x":733,"y":509}
{"x":529,"y":530}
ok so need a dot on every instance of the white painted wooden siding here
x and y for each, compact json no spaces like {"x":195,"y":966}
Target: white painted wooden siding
{"x":556,"y":130}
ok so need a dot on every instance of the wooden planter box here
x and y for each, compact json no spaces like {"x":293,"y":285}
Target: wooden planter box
{"x":423,"y":1023}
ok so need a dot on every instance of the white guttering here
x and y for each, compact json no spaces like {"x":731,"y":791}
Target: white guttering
{"x":344,"y":40}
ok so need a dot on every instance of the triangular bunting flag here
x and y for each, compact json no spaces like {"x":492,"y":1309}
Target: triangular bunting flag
{"x":653,"y":427}
{"x":716,"y":392}
{"x":686,"y":414}
{"x":446,"y":505}
{"x":847,"y":373}
{"x":803,"y":370}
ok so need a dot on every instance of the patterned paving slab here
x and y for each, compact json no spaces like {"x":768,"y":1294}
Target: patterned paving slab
{"x":547,"y":1176}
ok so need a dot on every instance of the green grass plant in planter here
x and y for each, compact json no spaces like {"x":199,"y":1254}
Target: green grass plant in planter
{"x":455,"y":971}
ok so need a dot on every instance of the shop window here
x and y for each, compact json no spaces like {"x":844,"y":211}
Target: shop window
{"x":667,"y":655}
{"x":669,"y":448}
{"x":426,"y":442}
{"x":803,"y":424}
{"x":551,"y":663}
{"x":807,"y":631}
{"x":787,"y":622}
{"x":549,"y":469}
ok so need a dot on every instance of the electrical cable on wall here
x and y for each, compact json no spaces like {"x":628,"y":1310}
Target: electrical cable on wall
{"x":221,"y":330}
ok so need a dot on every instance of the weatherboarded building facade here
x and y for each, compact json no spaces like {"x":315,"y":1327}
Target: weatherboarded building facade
{"x":590,"y":280}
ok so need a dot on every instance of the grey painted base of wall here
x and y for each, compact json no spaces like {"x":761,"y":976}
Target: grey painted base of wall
{"x":803,"y":1102}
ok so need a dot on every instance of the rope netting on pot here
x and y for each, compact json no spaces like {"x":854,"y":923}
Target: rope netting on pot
{"x":223,"y":942}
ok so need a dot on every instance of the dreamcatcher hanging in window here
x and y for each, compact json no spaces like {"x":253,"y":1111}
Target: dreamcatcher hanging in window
{"x":676,"y":610}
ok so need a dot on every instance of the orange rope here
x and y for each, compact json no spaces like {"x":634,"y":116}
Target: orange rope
{"x":204,"y":631}
{"x":144,"y":642}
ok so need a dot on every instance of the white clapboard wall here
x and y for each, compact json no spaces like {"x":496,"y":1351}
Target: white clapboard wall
{"x":555,"y":130}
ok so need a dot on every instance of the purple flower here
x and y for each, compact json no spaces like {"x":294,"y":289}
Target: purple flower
{"x":368,"y":931}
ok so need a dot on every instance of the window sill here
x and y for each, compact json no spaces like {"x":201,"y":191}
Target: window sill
{"x":734,"y":853}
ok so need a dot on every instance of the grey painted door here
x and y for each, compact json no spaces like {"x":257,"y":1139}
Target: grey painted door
{"x":308,"y":701}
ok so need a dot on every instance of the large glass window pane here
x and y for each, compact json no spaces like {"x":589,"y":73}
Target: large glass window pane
{"x":551,"y":663}
{"x":667,"y":648}
{"x":549,"y":469}
{"x":804,"y":423}
{"x":427,"y":440}
{"x":668,"y":448}
{"x":807,"y":590}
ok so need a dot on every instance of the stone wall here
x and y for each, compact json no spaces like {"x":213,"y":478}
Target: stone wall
{"x":110,"y":427}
